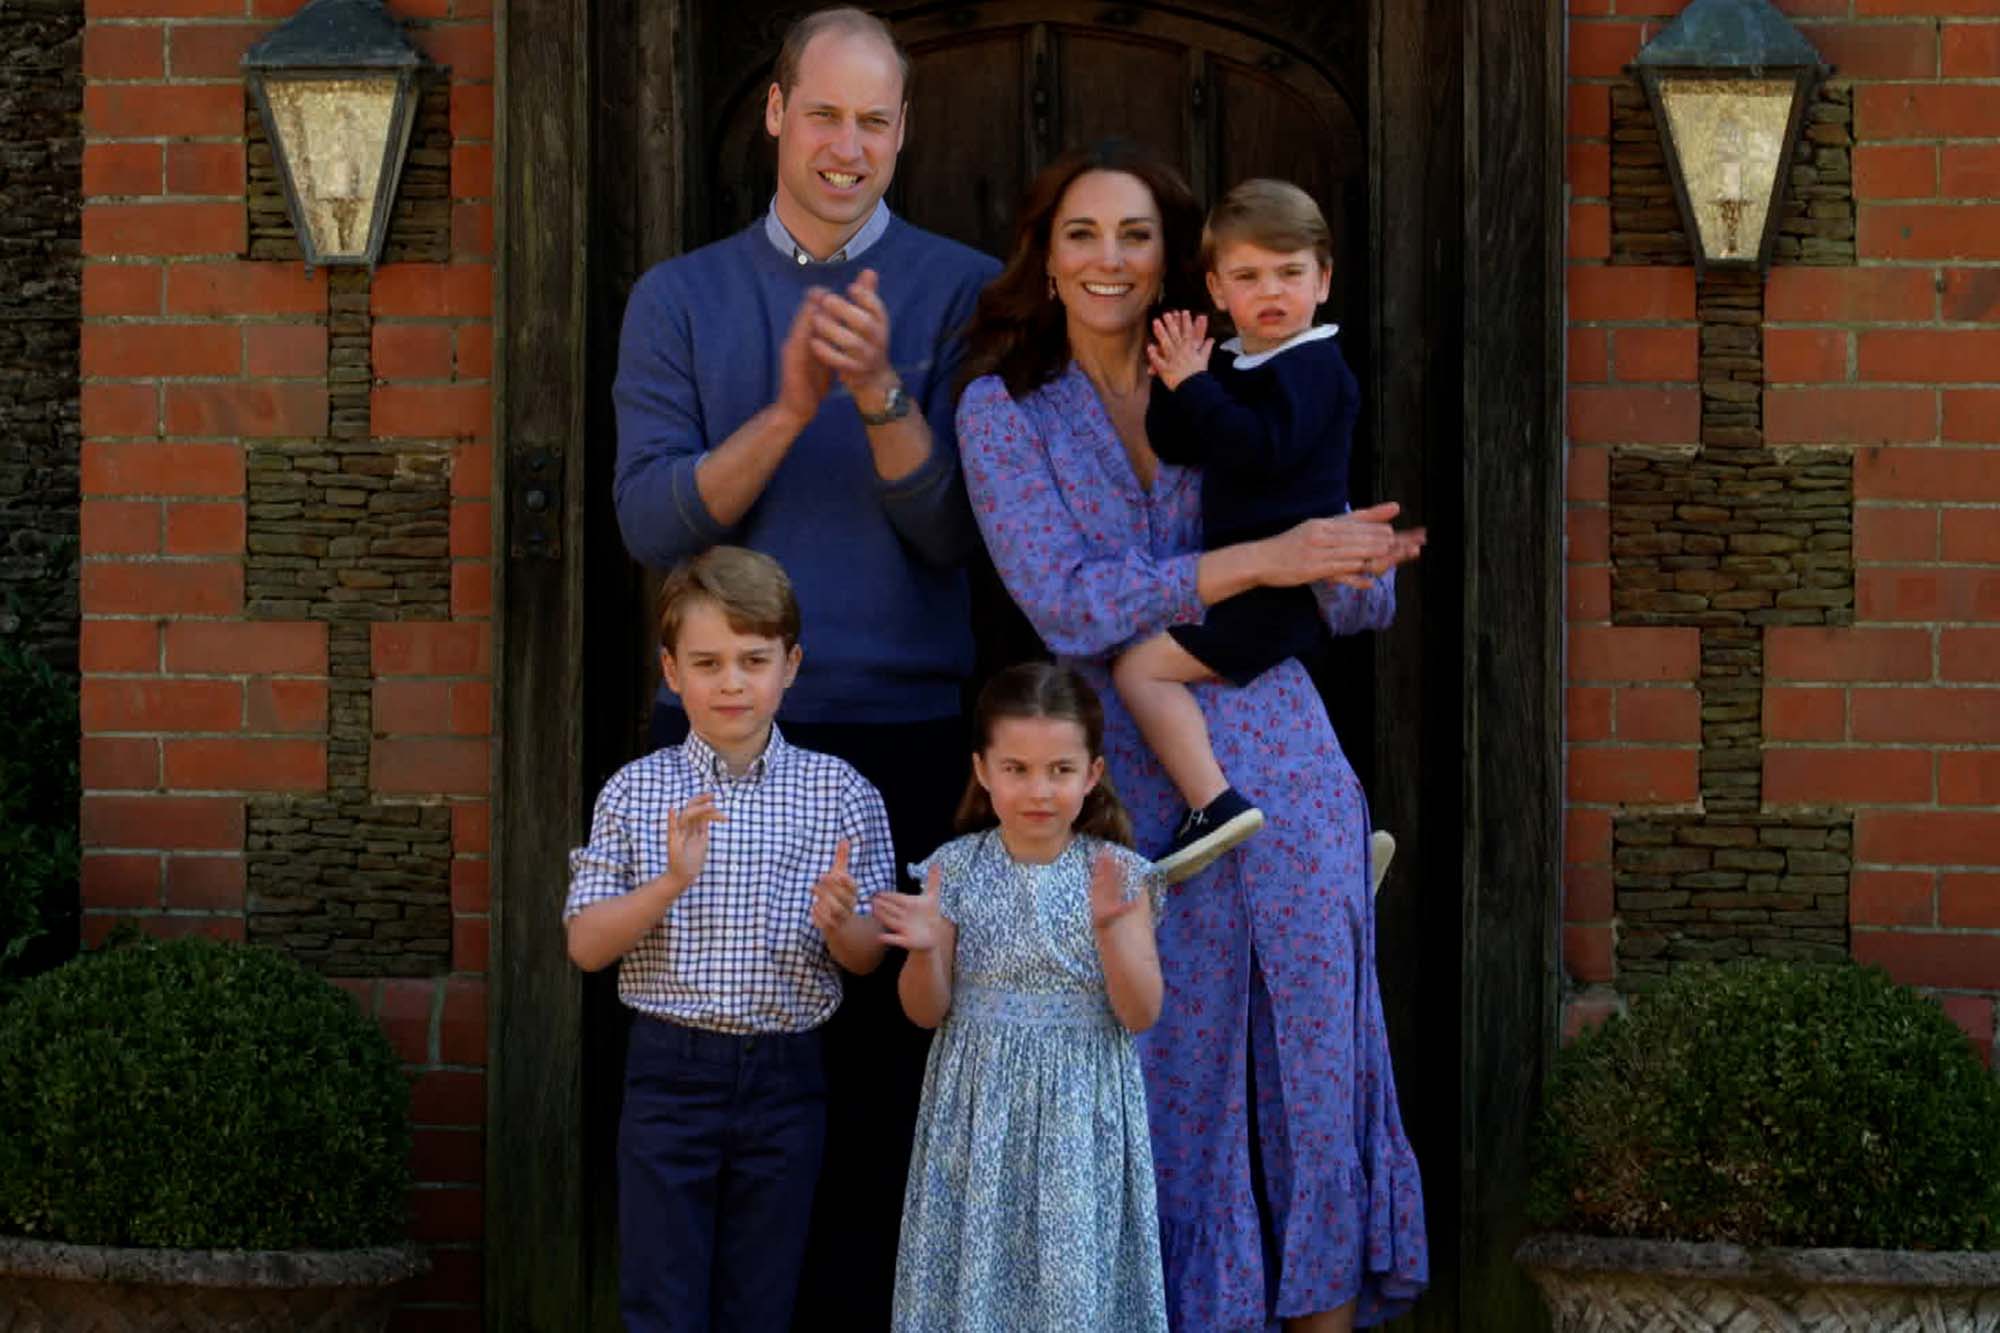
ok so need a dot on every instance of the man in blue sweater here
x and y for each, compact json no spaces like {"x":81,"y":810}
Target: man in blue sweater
{"x":790,"y":389}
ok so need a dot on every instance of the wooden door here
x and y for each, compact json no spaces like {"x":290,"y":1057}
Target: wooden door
{"x":1430,"y":132}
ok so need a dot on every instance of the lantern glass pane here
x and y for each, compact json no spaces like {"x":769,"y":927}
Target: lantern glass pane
{"x":334,"y":132}
{"x":1730,"y":137}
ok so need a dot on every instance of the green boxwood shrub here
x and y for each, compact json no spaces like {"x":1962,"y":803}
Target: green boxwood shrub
{"x":198,"y":1095}
{"x":1769,"y":1104}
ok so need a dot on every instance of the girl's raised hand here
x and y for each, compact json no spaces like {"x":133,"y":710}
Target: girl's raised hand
{"x":1108,"y":902}
{"x":913,"y":921}
{"x":835,"y":893}
{"x":1180,"y":346}
{"x":687,"y":836}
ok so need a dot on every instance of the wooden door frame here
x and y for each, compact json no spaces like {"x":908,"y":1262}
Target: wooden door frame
{"x":1465,"y":122}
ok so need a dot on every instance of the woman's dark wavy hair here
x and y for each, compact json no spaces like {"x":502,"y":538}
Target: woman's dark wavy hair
{"x":1043,"y":689}
{"x":1018,"y":331}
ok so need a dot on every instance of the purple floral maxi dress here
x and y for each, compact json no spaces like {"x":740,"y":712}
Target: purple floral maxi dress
{"x":1269,"y":955}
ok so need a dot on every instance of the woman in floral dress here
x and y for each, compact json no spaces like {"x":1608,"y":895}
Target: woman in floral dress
{"x":1288,"y":1194}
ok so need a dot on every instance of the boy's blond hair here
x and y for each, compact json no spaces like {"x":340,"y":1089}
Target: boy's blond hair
{"x":1271,"y":214}
{"x":751,"y":589}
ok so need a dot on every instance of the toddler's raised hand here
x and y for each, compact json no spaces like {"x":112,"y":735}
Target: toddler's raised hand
{"x":687,"y":836}
{"x":1180,"y":346}
{"x":913,"y":921}
{"x":835,"y":893}
{"x":1108,"y":902}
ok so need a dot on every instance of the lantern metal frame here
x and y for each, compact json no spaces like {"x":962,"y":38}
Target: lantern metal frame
{"x":1727,"y":40}
{"x":331,"y":40}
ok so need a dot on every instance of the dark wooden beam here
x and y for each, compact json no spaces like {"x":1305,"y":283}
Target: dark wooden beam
{"x":1416,"y":181}
{"x":537,"y":1201}
{"x":1465,"y":138}
{"x":1513,"y":572}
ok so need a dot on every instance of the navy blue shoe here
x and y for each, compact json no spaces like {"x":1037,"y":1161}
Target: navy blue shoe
{"x":1207,"y":833}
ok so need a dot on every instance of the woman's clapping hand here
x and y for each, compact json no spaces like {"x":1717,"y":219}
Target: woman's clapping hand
{"x":1353,"y":549}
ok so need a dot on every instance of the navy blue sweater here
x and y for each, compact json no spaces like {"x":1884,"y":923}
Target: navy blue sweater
{"x":878,"y":566}
{"x":1272,"y":440}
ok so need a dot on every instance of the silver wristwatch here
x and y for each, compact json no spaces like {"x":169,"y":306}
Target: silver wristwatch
{"x":895,"y":406}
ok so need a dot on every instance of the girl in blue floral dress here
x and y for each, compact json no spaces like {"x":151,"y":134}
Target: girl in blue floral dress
{"x":1030,"y":1203}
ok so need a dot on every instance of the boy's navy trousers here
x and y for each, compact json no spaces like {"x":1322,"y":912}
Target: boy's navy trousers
{"x":719,"y":1148}
{"x":875,"y":1055}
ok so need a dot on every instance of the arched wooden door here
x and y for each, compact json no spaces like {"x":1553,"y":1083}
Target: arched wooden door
{"x":1430,"y":132}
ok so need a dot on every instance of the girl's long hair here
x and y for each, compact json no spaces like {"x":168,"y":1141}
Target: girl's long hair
{"x":1043,"y":689}
{"x":1019,"y":331}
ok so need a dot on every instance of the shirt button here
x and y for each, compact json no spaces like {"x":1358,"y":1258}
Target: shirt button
{"x":801,"y":257}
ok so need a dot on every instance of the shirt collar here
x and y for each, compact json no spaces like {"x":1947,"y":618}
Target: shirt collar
{"x":701,"y":757}
{"x":783,"y":242}
{"x":1256,"y":359}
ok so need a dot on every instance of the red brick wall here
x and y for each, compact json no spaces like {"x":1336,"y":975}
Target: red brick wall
{"x":190,"y":708}
{"x":1898,"y":716}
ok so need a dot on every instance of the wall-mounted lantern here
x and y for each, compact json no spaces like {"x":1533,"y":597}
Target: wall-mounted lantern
{"x":336,"y":87}
{"x":1729,"y":81}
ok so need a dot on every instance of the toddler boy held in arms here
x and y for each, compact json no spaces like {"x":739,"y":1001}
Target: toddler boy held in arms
{"x":1269,"y":419}
{"x":727,"y":876}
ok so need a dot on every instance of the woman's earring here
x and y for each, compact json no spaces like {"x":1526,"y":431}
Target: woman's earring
{"x":1052,"y":286}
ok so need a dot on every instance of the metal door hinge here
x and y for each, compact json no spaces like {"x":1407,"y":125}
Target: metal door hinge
{"x":537,"y":484}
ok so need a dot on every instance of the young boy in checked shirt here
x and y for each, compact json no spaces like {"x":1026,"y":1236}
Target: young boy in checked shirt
{"x":726,"y":875}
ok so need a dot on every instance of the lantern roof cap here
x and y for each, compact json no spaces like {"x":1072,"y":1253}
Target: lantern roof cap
{"x":1729,"y":34}
{"x":335,"y":34}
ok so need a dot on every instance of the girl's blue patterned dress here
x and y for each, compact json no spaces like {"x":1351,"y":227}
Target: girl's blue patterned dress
{"x":1030,"y":1205}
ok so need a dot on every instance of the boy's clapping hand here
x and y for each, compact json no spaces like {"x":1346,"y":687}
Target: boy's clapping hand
{"x":835,"y":893}
{"x":1180,"y":346}
{"x":687,"y":836}
{"x":913,"y":921}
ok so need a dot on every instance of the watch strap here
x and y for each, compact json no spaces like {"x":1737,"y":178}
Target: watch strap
{"x":895,"y":406}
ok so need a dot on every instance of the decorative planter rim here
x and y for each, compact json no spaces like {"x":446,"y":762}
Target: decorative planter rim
{"x":374,"y":1266}
{"x":1565,"y":1252}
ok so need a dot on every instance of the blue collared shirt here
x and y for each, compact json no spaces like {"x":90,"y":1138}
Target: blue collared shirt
{"x":737,"y":952}
{"x":783,"y":241}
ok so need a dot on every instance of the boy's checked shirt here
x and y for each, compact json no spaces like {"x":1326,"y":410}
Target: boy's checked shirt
{"x":737,"y":952}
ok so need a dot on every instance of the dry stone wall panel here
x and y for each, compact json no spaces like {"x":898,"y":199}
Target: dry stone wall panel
{"x":350,"y":530}
{"x":41,"y":280}
{"x":1730,"y":537}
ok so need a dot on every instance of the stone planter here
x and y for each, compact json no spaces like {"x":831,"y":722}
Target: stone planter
{"x":47,"y":1287}
{"x":1650,"y":1286}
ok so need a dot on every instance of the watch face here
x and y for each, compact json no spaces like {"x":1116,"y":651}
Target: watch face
{"x":895,"y":405}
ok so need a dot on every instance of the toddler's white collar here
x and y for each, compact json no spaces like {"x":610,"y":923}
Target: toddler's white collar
{"x":1255,"y":359}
